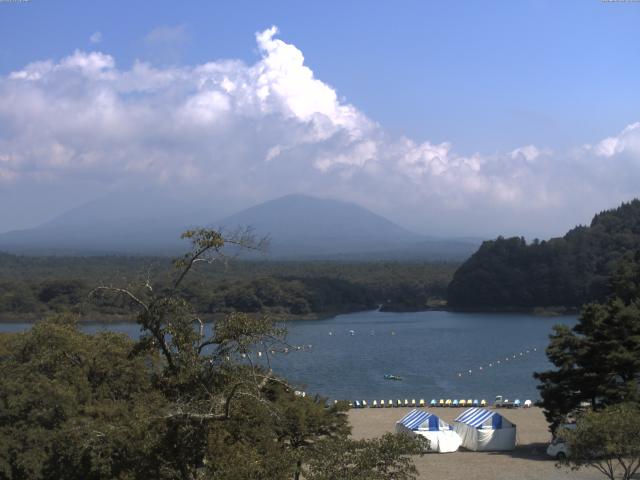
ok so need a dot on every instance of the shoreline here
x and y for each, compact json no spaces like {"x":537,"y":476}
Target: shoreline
{"x":552,"y":311}
{"x":210,"y":318}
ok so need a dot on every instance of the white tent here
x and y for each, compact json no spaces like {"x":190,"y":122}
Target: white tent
{"x":484,"y":430}
{"x":441,"y":436}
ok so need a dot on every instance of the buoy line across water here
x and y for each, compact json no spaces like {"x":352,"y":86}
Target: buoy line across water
{"x":500,"y":362}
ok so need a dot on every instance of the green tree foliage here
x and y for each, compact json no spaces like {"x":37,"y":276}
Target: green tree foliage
{"x":598,"y":360}
{"x":42,"y":285}
{"x":305,"y":422}
{"x":607,"y":440}
{"x":568,"y":271}
{"x":183,"y":402}
{"x":385,"y":458}
{"x":75,"y":406}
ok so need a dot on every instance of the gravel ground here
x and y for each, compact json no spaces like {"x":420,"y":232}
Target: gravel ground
{"x":527,"y":462}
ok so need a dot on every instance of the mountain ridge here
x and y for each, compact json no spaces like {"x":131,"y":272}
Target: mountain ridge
{"x":300,"y":226}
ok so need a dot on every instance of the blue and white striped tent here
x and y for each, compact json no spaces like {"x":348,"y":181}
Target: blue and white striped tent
{"x":442,"y":438}
{"x":421,"y":420}
{"x":478,"y":417}
{"x":485,"y":430}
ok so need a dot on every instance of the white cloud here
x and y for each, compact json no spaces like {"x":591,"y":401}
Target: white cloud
{"x":95,"y":37}
{"x":626,"y":141}
{"x":257,"y":131}
{"x":282,"y":77}
{"x":528,"y":152}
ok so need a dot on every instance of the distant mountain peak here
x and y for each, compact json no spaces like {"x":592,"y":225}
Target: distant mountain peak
{"x":301,"y":222}
{"x":299,"y":226}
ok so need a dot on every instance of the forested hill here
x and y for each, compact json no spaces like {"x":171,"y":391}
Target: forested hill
{"x":569,"y":271}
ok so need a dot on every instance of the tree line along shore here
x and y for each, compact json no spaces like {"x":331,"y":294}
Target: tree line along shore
{"x":32,"y":287}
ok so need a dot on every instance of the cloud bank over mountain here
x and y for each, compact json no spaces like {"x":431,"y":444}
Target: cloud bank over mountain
{"x":235,"y":133}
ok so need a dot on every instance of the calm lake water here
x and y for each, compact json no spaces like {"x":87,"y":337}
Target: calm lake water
{"x":433,"y":352}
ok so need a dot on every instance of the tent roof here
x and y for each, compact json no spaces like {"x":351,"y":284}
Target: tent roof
{"x":475,"y":417}
{"x":415,"y":418}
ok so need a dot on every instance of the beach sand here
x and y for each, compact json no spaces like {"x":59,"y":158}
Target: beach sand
{"x":527,"y":462}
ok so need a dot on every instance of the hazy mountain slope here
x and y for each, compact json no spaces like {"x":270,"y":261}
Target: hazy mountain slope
{"x":303,"y":225}
{"x":127,"y":222}
{"x":299,"y":226}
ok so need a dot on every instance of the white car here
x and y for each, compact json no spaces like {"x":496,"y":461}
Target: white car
{"x":558,"y":449}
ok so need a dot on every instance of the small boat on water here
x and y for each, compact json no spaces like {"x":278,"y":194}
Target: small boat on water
{"x":388,"y":376}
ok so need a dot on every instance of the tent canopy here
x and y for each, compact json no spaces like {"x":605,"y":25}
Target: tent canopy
{"x":442,"y":438}
{"x":482,"y":418}
{"x":420,"y":420}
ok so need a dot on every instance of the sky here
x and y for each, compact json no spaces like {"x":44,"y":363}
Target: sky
{"x":450,"y":118}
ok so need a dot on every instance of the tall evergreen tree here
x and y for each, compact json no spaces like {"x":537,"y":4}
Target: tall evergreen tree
{"x":598,"y":360}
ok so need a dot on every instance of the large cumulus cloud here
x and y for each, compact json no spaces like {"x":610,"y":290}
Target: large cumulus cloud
{"x":245,"y":133}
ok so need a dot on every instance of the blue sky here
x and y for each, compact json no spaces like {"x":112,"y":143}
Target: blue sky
{"x":486,"y":77}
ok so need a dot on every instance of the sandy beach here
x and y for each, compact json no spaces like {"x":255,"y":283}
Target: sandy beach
{"x":527,"y":462}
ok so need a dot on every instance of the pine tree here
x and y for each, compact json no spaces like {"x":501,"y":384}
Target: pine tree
{"x":598,"y":360}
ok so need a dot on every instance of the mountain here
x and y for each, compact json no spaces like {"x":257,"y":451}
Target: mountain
{"x":298,"y":226}
{"x":132,"y":222}
{"x":569,"y":271}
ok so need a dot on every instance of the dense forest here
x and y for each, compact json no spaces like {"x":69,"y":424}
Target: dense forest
{"x":34,"y":286}
{"x":562,"y":272}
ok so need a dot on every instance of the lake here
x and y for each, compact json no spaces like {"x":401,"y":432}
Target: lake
{"x":437,"y":354}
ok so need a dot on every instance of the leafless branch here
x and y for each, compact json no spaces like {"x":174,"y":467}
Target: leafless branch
{"x":121,"y":291}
